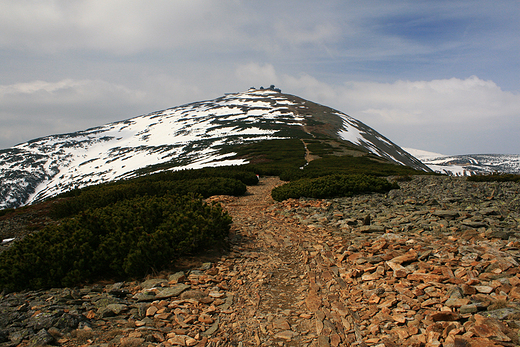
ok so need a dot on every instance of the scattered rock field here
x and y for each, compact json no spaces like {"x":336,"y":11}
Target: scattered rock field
{"x":435,"y":263}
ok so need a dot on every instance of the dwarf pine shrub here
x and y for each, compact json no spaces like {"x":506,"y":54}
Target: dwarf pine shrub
{"x":332,"y":186}
{"x":495,"y":177}
{"x":105,"y":195}
{"x":127,"y":239}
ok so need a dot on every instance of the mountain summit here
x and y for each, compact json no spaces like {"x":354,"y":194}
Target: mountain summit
{"x":194,"y":135}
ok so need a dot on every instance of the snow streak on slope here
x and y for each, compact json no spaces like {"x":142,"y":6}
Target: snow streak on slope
{"x":423,"y":155}
{"x":364,"y":136}
{"x":192,"y":135}
{"x":475,"y":164}
{"x":469,"y":164}
{"x":189,"y":136}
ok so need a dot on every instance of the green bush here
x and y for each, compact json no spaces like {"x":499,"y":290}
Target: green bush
{"x":240,"y":173}
{"x":348,"y":165}
{"x":107,"y":194}
{"x":271,"y":158}
{"x":332,"y":186}
{"x":495,"y":177}
{"x":127,"y":239}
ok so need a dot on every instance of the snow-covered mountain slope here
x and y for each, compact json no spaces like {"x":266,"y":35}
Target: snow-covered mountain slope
{"x":188,"y":136}
{"x":469,"y":164}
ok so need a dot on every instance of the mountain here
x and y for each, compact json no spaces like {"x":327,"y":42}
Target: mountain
{"x":469,"y":164}
{"x":194,"y":135}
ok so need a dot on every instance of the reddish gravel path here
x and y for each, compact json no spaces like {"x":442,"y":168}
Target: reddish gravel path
{"x":303,"y":285}
{"x":284,"y":272}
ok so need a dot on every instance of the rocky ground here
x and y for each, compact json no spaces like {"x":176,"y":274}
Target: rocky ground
{"x":434,"y":263}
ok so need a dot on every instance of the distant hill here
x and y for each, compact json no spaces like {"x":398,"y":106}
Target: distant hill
{"x":469,"y":164}
{"x":200,"y":134}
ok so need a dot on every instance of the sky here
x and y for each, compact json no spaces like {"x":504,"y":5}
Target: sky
{"x":441,"y":76}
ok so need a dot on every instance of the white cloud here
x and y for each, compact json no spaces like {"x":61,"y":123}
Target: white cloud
{"x":391,"y":68}
{"x":118,"y":26}
{"x":257,"y":74}
{"x":311,"y":88}
{"x":447,"y":101}
{"x":294,"y":33}
{"x":155,"y":89}
{"x":38,"y":108}
{"x":452,"y":116}
{"x":127,"y":27}
{"x":67,"y":91}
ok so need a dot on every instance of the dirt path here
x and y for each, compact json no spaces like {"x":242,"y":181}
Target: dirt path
{"x":308,"y":156}
{"x":302,"y":285}
{"x":279,"y":276}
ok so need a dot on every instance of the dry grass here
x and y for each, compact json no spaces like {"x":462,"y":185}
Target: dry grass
{"x":132,"y":342}
{"x":83,"y":335}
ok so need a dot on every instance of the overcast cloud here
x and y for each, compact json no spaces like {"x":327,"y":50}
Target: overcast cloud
{"x":439,"y":75}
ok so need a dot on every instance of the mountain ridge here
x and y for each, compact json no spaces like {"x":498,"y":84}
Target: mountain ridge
{"x":468,"y":164}
{"x":192,"y":135}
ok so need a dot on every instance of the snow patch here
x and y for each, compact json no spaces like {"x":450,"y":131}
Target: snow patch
{"x":423,"y":155}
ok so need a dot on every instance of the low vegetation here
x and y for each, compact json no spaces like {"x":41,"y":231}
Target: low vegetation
{"x":131,"y":228}
{"x":124,"y":229}
{"x":286,"y":158}
{"x":348,"y":165}
{"x":332,"y":186}
{"x":105,"y":195}
{"x":271,"y":158}
{"x":129,"y":238}
{"x":6,"y":211}
{"x":495,"y":177}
